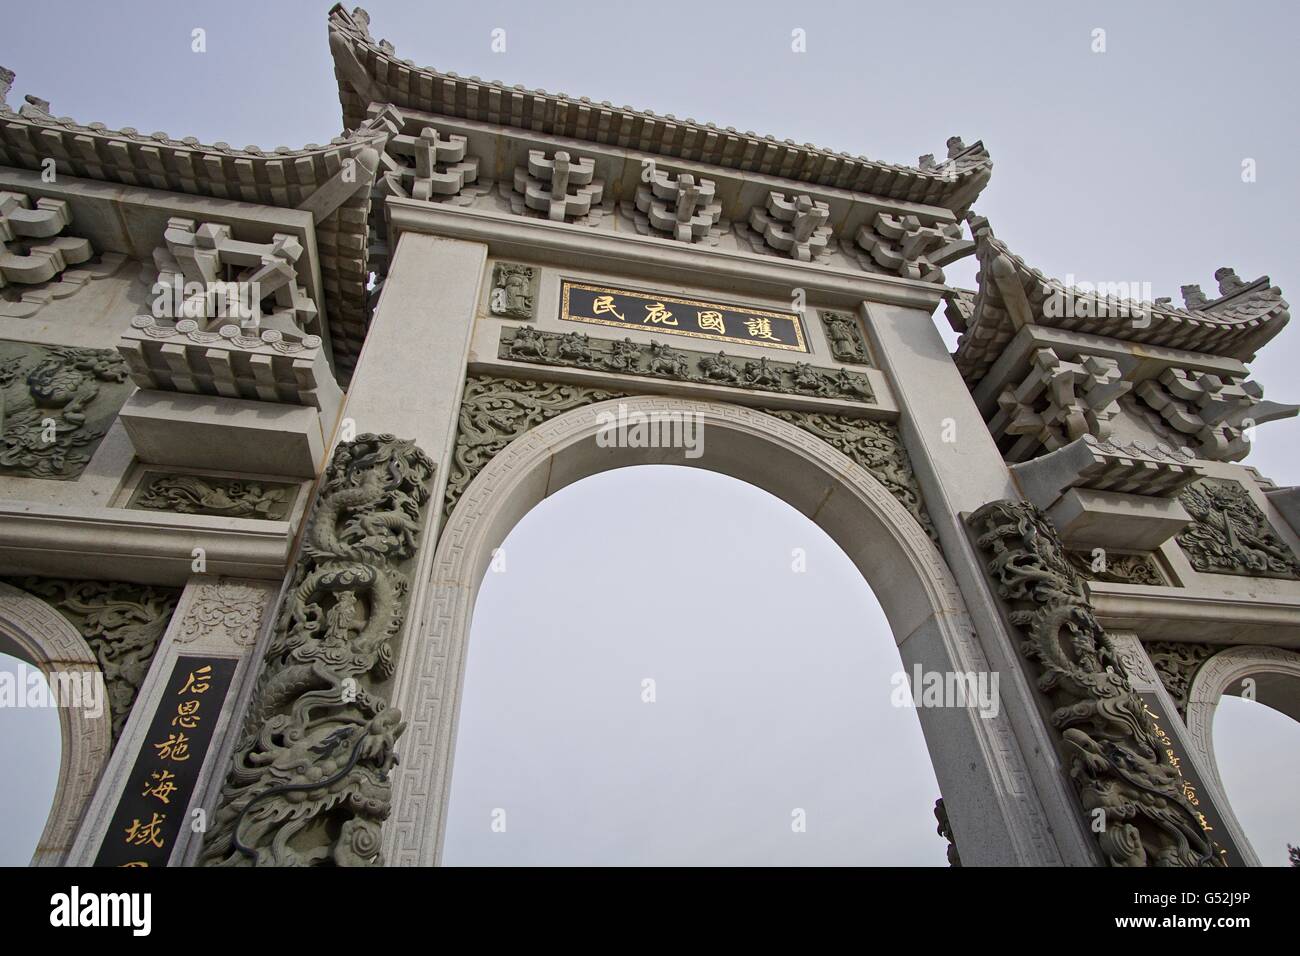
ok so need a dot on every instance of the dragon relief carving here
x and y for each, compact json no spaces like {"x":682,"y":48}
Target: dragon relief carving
{"x":57,"y":403}
{"x":309,"y":782}
{"x":1117,"y":763}
{"x":496,"y":411}
{"x":121,"y":622}
{"x":876,"y":446}
{"x":1117,"y":568}
{"x":1176,"y":664}
{"x":1229,"y":534}
{"x":211,"y":495}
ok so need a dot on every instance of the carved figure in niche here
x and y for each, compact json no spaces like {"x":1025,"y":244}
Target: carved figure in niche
{"x":846,"y":343}
{"x":512,"y":292}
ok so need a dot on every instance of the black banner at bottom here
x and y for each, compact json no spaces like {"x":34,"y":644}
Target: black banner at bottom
{"x":934,"y":906}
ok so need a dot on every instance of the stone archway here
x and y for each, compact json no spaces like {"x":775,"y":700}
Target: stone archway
{"x":1276,"y":673}
{"x":33,"y":631}
{"x":990,"y":802}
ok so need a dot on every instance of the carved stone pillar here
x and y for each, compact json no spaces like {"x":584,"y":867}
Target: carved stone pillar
{"x":319,"y":714}
{"x":958,"y":468}
{"x":1119,"y":756}
{"x":217,"y":620}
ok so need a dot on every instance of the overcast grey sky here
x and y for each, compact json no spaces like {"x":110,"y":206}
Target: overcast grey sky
{"x":1115,"y":166}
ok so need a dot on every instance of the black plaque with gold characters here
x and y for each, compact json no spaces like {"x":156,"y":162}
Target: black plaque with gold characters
{"x":151,"y":810}
{"x":678,"y":315}
{"x":1193,"y":790}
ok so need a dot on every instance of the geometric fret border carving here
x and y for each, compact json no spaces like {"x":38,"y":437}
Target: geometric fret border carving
{"x":47,"y":639}
{"x":1118,"y":764}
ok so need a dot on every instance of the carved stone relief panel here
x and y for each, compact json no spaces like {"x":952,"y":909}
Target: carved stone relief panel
{"x":1176,"y":663}
{"x":121,"y":622}
{"x":658,"y":360}
{"x":309,"y":782}
{"x":877,"y":447}
{"x":514,"y":291}
{"x":1114,"y":567}
{"x":1229,"y":534}
{"x":1118,"y":760}
{"x":58,"y":403}
{"x":496,"y":411}
{"x":213,"y":495}
{"x":845,"y":337}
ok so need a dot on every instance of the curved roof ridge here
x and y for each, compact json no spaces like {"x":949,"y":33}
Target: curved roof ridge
{"x":278,"y":177}
{"x":369,"y":70}
{"x":1012,"y":293}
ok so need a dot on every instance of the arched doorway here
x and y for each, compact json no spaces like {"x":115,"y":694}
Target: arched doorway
{"x":30,"y":749}
{"x":990,"y":801}
{"x":1250,"y":745}
{"x":33,"y":632}
{"x":670,"y":666}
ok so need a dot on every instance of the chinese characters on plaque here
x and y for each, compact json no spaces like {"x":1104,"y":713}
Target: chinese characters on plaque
{"x":676,"y":315}
{"x":153,"y":806}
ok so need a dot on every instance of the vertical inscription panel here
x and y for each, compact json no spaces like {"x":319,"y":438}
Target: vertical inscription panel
{"x":1193,"y":789}
{"x":153,"y":805}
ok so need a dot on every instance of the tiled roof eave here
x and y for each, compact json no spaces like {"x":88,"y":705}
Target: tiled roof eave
{"x":1220,"y":329}
{"x":387,"y":78}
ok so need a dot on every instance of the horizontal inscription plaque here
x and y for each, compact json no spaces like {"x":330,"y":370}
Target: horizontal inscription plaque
{"x":678,"y":315}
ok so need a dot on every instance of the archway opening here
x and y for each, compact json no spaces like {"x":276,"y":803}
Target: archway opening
{"x":31,"y":748}
{"x":1257,"y":750}
{"x":672,"y":666}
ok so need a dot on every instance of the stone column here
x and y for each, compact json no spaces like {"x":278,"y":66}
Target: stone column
{"x":217,"y":619}
{"x":959,"y":469}
{"x":353,"y":598}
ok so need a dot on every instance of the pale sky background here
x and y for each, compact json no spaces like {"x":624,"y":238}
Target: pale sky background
{"x":1118,"y":166}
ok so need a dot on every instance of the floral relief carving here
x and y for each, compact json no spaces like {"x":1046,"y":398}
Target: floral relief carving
{"x":233,"y":611}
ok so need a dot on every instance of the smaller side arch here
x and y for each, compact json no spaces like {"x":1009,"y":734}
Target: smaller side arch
{"x":1277,"y":677}
{"x":33,"y":631}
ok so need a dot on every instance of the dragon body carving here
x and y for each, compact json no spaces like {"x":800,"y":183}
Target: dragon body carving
{"x":1120,"y":768}
{"x":309,"y":780}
